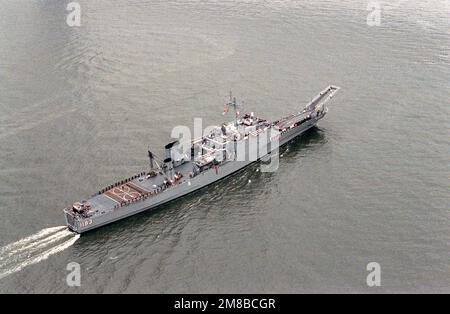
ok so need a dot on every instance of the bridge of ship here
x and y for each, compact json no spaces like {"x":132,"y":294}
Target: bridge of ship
{"x":219,"y":140}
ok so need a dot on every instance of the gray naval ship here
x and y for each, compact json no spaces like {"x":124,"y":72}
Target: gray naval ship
{"x":216,"y":155}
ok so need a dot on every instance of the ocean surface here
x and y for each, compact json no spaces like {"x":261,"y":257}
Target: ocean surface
{"x":80,"y":106}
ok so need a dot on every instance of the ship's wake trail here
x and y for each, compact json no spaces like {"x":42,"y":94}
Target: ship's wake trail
{"x":34,"y":249}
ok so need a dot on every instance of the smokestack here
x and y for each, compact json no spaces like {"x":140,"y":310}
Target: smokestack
{"x":168,"y":168}
{"x":169,"y":147}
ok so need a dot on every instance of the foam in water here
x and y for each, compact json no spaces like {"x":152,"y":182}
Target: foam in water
{"x":34,"y":249}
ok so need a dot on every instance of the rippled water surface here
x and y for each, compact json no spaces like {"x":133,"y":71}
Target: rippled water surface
{"x":79,"y":106}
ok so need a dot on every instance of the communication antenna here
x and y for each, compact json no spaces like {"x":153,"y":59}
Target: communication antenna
{"x":232,"y":103}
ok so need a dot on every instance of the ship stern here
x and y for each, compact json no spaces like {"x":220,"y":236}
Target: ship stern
{"x":71,"y":220}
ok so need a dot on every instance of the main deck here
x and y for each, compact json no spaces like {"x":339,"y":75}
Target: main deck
{"x":136,"y":188}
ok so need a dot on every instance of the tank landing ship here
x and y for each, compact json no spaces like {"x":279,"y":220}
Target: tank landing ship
{"x":222,"y":152}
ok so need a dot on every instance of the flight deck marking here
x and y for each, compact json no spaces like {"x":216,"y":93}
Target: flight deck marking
{"x":124,"y":193}
{"x":111,"y":197}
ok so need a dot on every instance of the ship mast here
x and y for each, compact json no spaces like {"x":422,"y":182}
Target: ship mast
{"x":232,"y":103}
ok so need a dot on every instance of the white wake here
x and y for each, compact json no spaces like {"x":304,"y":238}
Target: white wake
{"x":34,"y":249}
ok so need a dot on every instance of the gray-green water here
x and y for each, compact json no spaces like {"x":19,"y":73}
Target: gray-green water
{"x":80,"y":105}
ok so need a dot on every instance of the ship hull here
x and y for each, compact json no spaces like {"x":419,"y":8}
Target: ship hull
{"x":186,"y":187}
